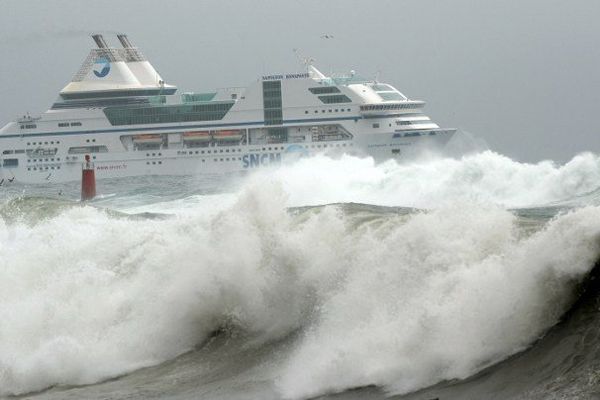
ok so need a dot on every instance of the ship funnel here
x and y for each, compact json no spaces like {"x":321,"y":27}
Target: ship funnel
{"x":124,"y":41}
{"x":100,"y":42}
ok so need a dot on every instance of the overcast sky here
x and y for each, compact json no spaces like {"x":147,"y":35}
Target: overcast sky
{"x":524,"y":75}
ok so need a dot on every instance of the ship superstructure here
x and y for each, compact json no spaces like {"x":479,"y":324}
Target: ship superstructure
{"x":119,"y":110}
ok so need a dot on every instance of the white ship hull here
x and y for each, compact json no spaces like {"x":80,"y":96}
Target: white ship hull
{"x":221,"y":160}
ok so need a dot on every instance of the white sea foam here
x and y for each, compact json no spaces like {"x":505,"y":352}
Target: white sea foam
{"x":404,"y":303}
{"x":430,"y":182}
{"x":440,"y":297}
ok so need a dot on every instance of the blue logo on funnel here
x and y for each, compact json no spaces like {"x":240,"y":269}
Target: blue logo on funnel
{"x":105,"y":69}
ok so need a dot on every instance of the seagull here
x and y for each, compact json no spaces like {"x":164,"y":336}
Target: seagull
{"x":11,"y":179}
{"x":326,"y":36}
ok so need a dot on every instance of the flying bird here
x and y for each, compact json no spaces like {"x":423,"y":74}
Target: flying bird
{"x":326,"y":36}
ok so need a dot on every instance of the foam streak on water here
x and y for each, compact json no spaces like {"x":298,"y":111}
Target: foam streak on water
{"x":397,"y":298}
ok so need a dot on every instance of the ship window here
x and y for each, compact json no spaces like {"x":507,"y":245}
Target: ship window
{"x":30,"y":126}
{"x":338,"y":98}
{"x":7,"y":152}
{"x":272,"y":104}
{"x":391,"y":96}
{"x":306,"y":112}
{"x":63,"y":124}
{"x":168,"y":113}
{"x":88,"y":149}
{"x":324,"y":90}
{"x":75,"y":123}
{"x":382,"y":87}
{"x":375,"y":125}
{"x":10,"y":162}
{"x":19,"y":151}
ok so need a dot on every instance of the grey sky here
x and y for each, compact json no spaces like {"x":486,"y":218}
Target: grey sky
{"x":524,"y":75}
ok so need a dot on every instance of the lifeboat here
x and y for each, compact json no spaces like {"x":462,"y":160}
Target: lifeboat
{"x":229,"y":135}
{"x":196,"y":136}
{"x":147,"y":138}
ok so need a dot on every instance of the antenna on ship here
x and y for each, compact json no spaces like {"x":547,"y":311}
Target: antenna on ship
{"x":308,"y":63}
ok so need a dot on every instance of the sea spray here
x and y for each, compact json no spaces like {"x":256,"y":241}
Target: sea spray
{"x":399,"y":298}
{"x":440,"y":297}
{"x":429,"y":183}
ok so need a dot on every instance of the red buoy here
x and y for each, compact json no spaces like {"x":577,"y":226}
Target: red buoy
{"x":88,"y":180}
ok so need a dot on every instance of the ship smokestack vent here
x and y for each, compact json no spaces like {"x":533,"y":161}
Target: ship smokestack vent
{"x":100,"y":42}
{"x":124,"y":41}
{"x":130,"y":53}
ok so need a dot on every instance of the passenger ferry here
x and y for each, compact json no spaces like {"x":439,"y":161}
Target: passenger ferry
{"x":118,"y":110}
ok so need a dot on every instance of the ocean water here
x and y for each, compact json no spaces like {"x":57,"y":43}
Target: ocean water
{"x":453,"y":278}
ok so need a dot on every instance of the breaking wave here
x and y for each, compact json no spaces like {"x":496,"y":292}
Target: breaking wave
{"x":365,"y":295}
